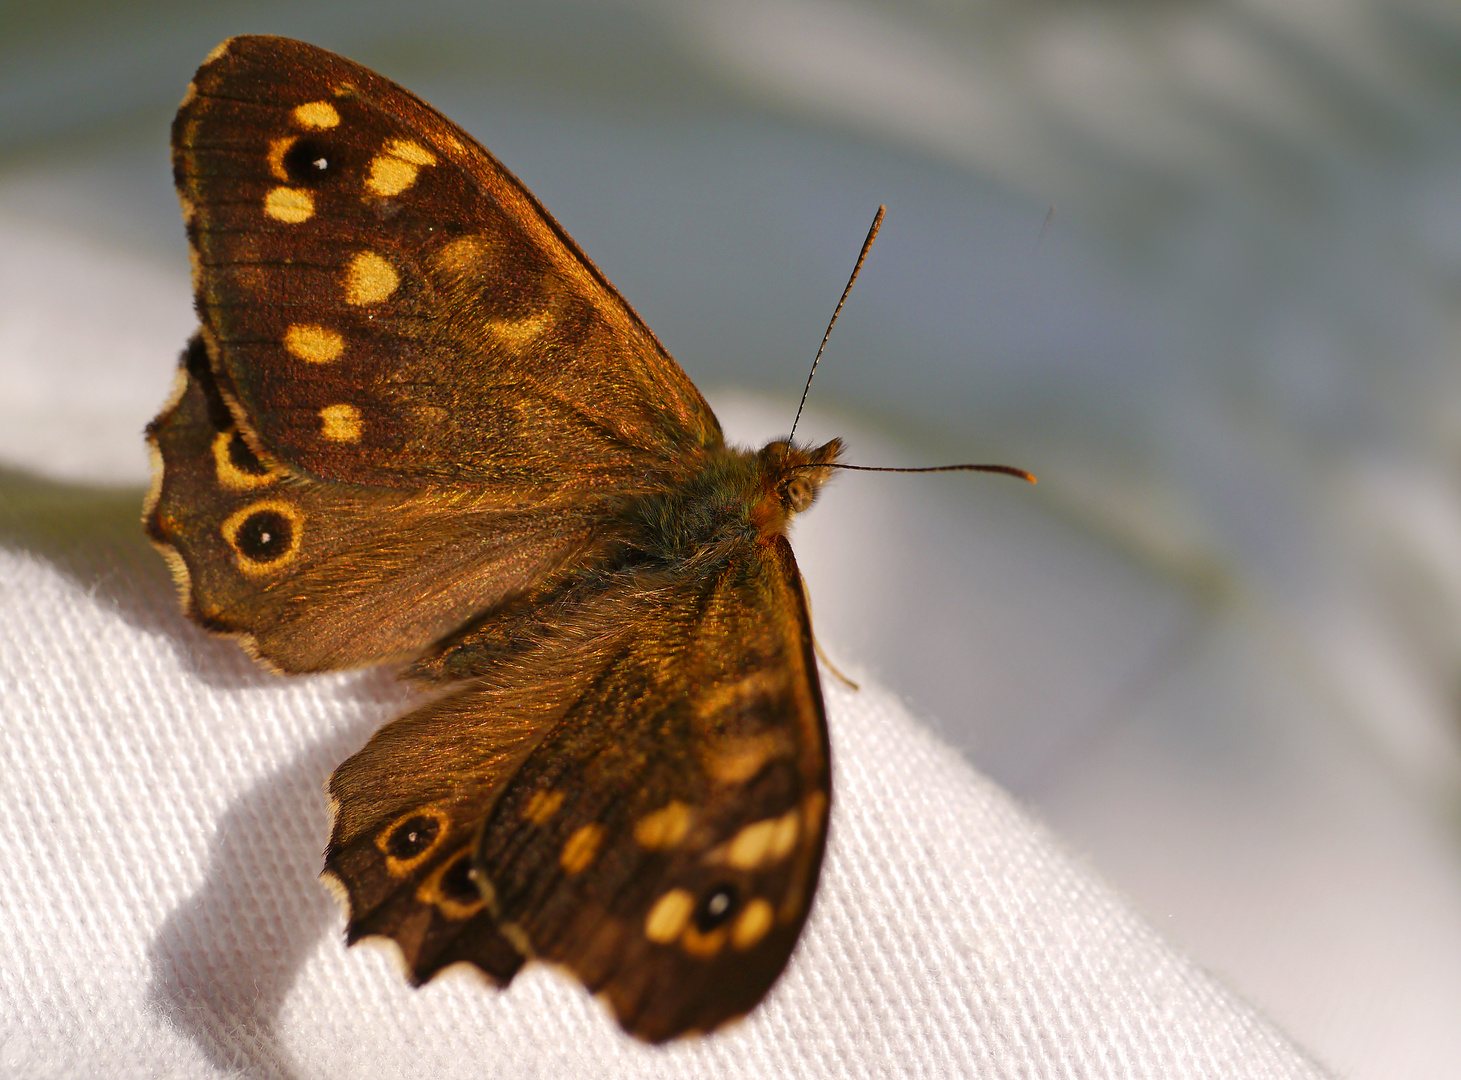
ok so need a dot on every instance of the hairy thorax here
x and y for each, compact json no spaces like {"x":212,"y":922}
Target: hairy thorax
{"x":737,"y":495}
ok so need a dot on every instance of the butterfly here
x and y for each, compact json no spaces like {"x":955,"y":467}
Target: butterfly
{"x":418,"y":425}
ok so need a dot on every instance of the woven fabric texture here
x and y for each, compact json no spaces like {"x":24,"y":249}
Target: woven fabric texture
{"x":164,"y":815}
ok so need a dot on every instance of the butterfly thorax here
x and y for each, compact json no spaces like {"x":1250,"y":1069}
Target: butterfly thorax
{"x":737,"y":495}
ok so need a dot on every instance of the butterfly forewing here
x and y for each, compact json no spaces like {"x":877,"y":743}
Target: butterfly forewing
{"x":256,"y":546}
{"x":384,"y":303}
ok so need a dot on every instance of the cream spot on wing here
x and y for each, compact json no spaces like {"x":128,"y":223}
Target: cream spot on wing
{"x":218,"y":51}
{"x":188,"y":95}
{"x":517,"y":937}
{"x":669,"y":916}
{"x":289,"y":205}
{"x":581,"y":849}
{"x":542,"y":806}
{"x":750,"y":847}
{"x":519,"y":332}
{"x":747,"y":693}
{"x":394,"y":169}
{"x":316,"y":115}
{"x":195,"y":267}
{"x":188,"y":209}
{"x":783,"y":836}
{"x":369,"y":279}
{"x":389,"y":176}
{"x":313,"y":344}
{"x":340,"y":423}
{"x":760,"y":844}
{"x":734,"y":761}
{"x":751,"y":924}
{"x":663,"y":828}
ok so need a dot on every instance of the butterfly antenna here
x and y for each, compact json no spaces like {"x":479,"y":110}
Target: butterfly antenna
{"x":872,"y":234}
{"x":1003,"y":470}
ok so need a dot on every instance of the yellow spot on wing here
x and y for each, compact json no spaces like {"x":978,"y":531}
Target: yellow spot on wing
{"x":668,"y":916}
{"x":582,"y":848}
{"x":752,"y":923}
{"x":750,"y":847}
{"x":734,"y":761}
{"x":412,"y":152}
{"x":289,"y":205}
{"x":702,"y":946}
{"x":218,"y":51}
{"x":664,"y":827}
{"x":277,"y":149}
{"x":542,"y":806}
{"x":317,"y":115}
{"x":369,"y":279}
{"x":188,"y":95}
{"x":229,"y":474}
{"x":742,"y":695}
{"x":783,"y":837}
{"x":762,"y":843}
{"x":340,"y":423}
{"x":431,"y":893}
{"x":394,"y":169}
{"x":313,"y":344}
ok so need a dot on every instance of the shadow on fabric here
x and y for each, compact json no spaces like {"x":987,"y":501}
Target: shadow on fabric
{"x":226,"y":957}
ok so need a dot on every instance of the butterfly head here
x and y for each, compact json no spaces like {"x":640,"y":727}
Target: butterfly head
{"x":791,"y":477}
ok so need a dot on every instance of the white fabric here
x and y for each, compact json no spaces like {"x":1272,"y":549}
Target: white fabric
{"x":163,"y":816}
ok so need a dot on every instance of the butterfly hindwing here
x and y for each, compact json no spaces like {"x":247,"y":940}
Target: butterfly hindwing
{"x":662,"y":836}
{"x":384,"y":303}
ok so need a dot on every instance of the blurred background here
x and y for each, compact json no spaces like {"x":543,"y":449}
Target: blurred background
{"x":1195,"y":264}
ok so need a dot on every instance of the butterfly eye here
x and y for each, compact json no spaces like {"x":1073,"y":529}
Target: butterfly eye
{"x":715,"y":907}
{"x":309,"y":161}
{"x":799,"y":493}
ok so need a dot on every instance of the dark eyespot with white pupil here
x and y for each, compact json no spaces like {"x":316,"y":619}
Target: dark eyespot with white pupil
{"x":458,"y":884}
{"x":716,"y":907}
{"x":412,"y":837}
{"x":264,"y":536}
{"x":309,"y":161}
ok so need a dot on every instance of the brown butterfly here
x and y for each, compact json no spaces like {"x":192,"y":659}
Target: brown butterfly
{"x":417,"y":424}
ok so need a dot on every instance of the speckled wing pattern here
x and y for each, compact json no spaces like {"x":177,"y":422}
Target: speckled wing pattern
{"x":417,"y":424}
{"x":384,"y":303}
{"x":642,"y":799}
